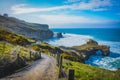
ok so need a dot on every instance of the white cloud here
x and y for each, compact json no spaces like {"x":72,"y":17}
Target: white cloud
{"x":19,"y":9}
{"x":65,"y":19}
{"x":93,"y":5}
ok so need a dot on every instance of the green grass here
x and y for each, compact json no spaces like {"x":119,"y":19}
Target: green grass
{"x":86,"y":46}
{"x":86,"y":72}
{"x":5,"y":49}
{"x":13,"y":38}
{"x":24,"y":52}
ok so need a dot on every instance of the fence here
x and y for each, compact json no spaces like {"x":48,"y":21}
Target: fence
{"x":16,"y":61}
{"x":62,"y":73}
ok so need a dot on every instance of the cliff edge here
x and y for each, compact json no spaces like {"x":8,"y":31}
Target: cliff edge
{"x":31,"y":30}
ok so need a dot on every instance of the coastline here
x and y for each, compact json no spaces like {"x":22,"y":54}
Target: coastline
{"x":100,"y":61}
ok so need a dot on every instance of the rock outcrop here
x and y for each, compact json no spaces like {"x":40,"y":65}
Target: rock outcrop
{"x":59,"y":35}
{"x":31,"y":30}
{"x":83,"y":52}
{"x":90,"y":41}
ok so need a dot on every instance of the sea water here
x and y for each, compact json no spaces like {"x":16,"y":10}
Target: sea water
{"x":105,"y":36}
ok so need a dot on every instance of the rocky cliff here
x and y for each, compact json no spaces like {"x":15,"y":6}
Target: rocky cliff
{"x":31,"y":30}
{"x":83,"y":52}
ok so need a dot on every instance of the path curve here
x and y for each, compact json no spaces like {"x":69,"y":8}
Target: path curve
{"x":43,"y":69}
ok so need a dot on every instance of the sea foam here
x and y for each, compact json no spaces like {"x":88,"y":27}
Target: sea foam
{"x":69,"y":40}
{"x":111,"y":62}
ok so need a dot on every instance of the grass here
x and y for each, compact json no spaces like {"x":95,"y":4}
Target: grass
{"x":5,"y":49}
{"x":86,"y":72}
{"x":24,"y":52}
{"x":13,"y":38}
{"x":86,"y":46}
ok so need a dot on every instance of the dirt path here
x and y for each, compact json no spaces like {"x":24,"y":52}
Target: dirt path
{"x":43,"y":69}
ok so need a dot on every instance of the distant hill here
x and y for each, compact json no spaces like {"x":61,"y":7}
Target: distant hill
{"x":31,"y":30}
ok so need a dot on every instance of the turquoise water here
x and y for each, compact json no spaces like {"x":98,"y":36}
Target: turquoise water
{"x":106,"y":34}
{"x":78,"y":36}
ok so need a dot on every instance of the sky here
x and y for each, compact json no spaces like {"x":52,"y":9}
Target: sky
{"x":65,"y":13}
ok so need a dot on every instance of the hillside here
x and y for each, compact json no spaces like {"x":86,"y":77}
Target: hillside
{"x":31,"y":30}
{"x":13,"y":38}
{"x":13,"y":53}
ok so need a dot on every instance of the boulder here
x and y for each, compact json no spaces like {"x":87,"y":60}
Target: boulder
{"x":59,"y":35}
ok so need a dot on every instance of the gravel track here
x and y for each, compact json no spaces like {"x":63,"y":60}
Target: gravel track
{"x":42,"y":69}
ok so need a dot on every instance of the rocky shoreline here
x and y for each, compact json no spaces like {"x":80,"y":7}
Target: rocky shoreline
{"x":75,"y":53}
{"x":83,"y":52}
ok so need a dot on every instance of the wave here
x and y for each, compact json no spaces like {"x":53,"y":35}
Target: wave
{"x":108,"y":63}
{"x":112,"y":62}
{"x":114,"y":46}
{"x":69,"y":40}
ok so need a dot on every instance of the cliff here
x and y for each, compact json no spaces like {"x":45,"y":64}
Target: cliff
{"x":83,"y":52}
{"x":31,"y":30}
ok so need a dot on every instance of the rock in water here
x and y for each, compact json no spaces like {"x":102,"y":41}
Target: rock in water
{"x":59,"y":35}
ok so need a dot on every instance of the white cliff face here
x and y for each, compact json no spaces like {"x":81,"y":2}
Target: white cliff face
{"x":32,"y":30}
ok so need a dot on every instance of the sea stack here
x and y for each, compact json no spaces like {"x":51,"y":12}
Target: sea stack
{"x":59,"y":35}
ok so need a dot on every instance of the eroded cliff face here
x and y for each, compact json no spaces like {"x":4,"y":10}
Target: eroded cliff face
{"x":31,"y":30}
{"x":83,"y":52}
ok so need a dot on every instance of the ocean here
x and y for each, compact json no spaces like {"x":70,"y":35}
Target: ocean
{"x":106,"y":36}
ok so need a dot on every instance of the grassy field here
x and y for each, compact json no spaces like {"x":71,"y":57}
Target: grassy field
{"x":7,"y":52}
{"x":86,"y":72}
{"x":82,"y":71}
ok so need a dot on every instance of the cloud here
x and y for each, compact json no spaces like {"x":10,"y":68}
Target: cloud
{"x":19,"y":9}
{"x":63,"y":20}
{"x":67,"y":19}
{"x":93,"y":5}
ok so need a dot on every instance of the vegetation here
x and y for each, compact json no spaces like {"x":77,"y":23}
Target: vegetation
{"x":86,"y":46}
{"x":13,"y":57}
{"x":82,"y":71}
{"x":13,"y":38}
{"x":46,"y":48}
{"x":8,"y":52}
{"x":5,"y":49}
{"x":70,"y":61}
{"x":49,"y":49}
{"x":86,"y":72}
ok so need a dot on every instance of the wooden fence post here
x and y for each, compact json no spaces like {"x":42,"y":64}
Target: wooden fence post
{"x":40,"y":54}
{"x":58,"y":59}
{"x":60,"y":66}
{"x":71,"y":74}
{"x":18,"y":57}
{"x":30,"y":55}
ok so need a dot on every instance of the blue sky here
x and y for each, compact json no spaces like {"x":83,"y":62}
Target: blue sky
{"x":65,"y":13}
